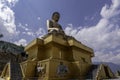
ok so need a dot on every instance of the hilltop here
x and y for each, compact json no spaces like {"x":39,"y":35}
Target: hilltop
{"x":10,"y":47}
{"x":8,"y":52}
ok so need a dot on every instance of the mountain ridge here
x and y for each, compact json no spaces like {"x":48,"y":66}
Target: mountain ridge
{"x":114,"y":67}
{"x":8,"y":52}
{"x":10,"y":47}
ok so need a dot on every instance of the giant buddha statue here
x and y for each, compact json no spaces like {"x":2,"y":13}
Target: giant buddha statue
{"x":53,"y":25}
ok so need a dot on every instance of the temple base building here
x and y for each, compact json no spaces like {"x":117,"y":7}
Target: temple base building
{"x":56,"y":57}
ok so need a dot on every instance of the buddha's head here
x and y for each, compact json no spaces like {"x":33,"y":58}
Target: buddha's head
{"x":55,"y":16}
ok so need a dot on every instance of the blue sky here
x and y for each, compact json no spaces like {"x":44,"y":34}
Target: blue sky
{"x":71,"y":11}
{"x":93,"y":22}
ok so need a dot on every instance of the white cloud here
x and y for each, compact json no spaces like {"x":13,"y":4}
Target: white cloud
{"x":40,"y":32}
{"x":28,"y":32}
{"x":7,"y":18}
{"x":11,"y":3}
{"x":104,"y":37}
{"x":24,"y":27}
{"x":111,"y":57}
{"x":112,"y":11}
{"x":21,"y":42}
{"x":26,"y":24}
{"x":38,"y":18}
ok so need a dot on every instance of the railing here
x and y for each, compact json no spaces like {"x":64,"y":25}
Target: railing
{"x":15,"y":71}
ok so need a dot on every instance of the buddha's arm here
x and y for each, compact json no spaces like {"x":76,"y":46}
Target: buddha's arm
{"x":50,"y":26}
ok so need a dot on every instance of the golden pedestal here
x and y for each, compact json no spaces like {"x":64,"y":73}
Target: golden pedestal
{"x":53,"y":49}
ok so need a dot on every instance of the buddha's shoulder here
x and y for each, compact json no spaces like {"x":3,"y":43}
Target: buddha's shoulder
{"x":50,"y":21}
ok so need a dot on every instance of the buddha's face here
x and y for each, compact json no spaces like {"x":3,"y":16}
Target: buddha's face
{"x":56,"y":17}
